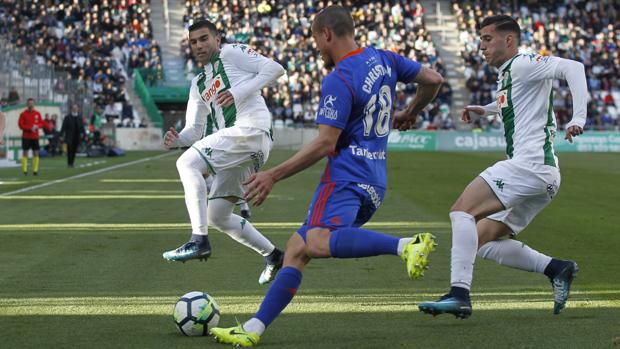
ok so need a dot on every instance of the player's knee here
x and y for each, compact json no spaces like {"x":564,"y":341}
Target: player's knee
{"x":317,"y":243}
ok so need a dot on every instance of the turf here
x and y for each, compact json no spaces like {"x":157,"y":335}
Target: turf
{"x":81,"y":266}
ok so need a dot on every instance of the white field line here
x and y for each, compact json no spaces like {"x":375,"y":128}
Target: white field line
{"x":249,"y":304}
{"x":81,"y":175}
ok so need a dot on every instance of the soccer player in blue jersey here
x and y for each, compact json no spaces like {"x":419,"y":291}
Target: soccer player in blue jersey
{"x":355,"y":118}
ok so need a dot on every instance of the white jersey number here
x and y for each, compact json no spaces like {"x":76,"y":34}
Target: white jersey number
{"x":382,"y":128}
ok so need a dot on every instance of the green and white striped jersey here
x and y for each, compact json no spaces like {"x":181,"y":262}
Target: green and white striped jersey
{"x":243,"y":72}
{"x":525,"y":103}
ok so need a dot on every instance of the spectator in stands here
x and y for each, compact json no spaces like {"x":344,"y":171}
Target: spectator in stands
{"x":13,"y":97}
{"x":586,"y":31}
{"x":95,"y":42}
{"x":282,"y":29}
{"x":72,"y":133}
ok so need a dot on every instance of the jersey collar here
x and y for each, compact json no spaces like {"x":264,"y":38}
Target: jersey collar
{"x":352,"y":53}
{"x":507,"y":63}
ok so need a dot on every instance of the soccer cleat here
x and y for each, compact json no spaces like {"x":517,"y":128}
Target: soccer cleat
{"x":416,"y":254}
{"x":189,"y":250}
{"x":271,"y":269}
{"x":447,"y":304}
{"x":561,"y":286}
{"x":236,"y":336}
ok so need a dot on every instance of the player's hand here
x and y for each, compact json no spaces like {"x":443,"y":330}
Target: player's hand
{"x":258,"y":187}
{"x":403,"y":121}
{"x":170,"y":137}
{"x":573,"y":131}
{"x":476,"y":109}
{"x":34,"y":128}
{"x":225,"y":99}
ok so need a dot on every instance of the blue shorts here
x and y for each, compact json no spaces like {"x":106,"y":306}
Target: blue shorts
{"x":342,"y":204}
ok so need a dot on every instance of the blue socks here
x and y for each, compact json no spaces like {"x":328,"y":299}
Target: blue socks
{"x":357,"y":242}
{"x":279,"y":295}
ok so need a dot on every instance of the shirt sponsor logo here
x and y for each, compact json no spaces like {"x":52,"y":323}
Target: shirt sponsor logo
{"x":502,"y":99}
{"x":329,"y":101}
{"x":370,"y":155}
{"x":216,"y":86}
{"x":327,"y":110}
{"x":376,"y":200}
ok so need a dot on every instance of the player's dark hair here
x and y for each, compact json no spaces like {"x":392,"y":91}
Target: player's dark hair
{"x":30,"y":99}
{"x":502,"y":23}
{"x":336,"y":18}
{"x":200,"y":23}
{"x":205,"y":23}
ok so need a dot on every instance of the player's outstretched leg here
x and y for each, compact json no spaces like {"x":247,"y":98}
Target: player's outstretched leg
{"x":197,"y":248}
{"x":191,"y":168}
{"x":561,"y":284}
{"x":416,"y":252}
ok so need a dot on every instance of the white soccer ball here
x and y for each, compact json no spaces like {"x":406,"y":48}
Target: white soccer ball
{"x":196,"y":313}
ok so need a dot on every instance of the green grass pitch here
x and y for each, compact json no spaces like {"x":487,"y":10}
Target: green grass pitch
{"x":81,"y":266}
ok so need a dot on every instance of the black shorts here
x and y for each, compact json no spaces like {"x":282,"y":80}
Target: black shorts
{"x":30,"y":144}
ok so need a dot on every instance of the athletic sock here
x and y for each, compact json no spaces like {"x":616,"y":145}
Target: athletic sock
{"x":554,"y":267}
{"x":275,"y":256}
{"x":515,"y":254}
{"x":35,"y":164}
{"x":24,"y":164}
{"x":254,"y":325}
{"x":464,"y":248}
{"x":280,"y":294}
{"x":357,"y":242}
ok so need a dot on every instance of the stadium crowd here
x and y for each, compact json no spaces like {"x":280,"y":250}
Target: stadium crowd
{"x":281,"y":30}
{"x":98,"y":43}
{"x":586,"y":31}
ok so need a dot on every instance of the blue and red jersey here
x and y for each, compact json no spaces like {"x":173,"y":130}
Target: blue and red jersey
{"x":357,"y":97}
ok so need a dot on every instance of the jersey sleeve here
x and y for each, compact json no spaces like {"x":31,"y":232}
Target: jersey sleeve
{"x":336,"y":102}
{"x":406,"y":69}
{"x":245,"y":58}
{"x":535,"y":67}
{"x":195,"y":118}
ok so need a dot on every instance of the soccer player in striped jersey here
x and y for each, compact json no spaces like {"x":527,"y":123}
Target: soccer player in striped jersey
{"x":507,"y":196}
{"x":355,"y":119}
{"x":228,"y":127}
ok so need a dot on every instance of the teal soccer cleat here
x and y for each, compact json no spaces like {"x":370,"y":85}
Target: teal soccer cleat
{"x":561,"y":285}
{"x":189,"y":250}
{"x":448,"y":304}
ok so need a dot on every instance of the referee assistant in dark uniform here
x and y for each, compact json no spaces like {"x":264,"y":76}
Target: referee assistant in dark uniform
{"x":72,"y":131}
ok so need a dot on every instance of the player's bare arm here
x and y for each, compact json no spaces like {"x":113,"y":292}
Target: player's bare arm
{"x":429,"y":82}
{"x":260,"y":184}
{"x":478,"y":111}
{"x":170,"y":137}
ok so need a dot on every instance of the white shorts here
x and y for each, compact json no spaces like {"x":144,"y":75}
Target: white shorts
{"x":523,"y":188}
{"x":232,"y":155}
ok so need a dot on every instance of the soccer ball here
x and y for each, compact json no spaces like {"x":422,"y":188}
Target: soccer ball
{"x":196,"y":313}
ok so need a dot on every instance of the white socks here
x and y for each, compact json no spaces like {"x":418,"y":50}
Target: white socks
{"x":254,"y":325}
{"x":401,"y":245}
{"x":464,"y":248}
{"x":221,"y":217}
{"x":191,"y":167}
{"x":515,"y":254}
